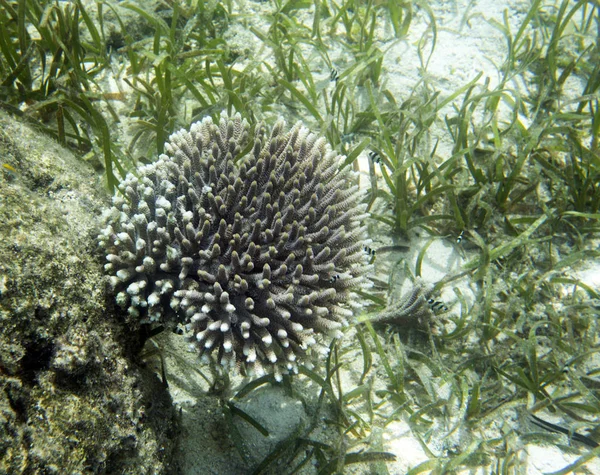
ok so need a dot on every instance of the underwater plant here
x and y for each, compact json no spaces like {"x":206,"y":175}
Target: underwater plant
{"x":254,"y":245}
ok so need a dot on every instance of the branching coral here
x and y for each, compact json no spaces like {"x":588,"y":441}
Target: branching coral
{"x":255,"y":246}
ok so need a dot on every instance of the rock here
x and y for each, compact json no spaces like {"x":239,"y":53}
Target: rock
{"x":74,"y":397}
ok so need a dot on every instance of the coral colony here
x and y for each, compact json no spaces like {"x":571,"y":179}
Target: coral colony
{"x":255,"y":247}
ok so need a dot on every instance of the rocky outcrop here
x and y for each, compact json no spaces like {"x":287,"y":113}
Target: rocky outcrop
{"x":74,"y":398}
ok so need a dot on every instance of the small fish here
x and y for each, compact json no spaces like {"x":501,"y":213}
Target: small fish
{"x":334,"y":76}
{"x":460,"y":237}
{"x":375,"y":156}
{"x":437,"y":305}
{"x":9,"y":168}
{"x":334,"y":278}
{"x":370,"y":251}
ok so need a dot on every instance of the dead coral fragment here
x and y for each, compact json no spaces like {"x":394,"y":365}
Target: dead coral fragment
{"x":241,"y":248}
{"x":413,"y":310}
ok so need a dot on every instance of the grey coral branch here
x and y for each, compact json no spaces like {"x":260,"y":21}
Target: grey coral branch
{"x":242,"y":249}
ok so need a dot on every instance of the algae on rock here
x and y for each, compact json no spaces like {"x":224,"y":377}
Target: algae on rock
{"x":72,"y":400}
